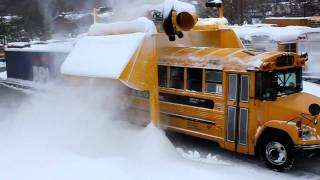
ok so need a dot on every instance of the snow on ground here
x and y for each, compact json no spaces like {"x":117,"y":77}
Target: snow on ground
{"x":2,"y":64}
{"x":73,"y":133}
{"x":311,"y":88}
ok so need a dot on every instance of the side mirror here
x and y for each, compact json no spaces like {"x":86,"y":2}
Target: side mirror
{"x":314,"y":109}
{"x":273,"y":94}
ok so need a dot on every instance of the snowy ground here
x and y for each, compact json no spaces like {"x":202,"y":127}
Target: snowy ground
{"x":72,"y":133}
{"x":3,"y":75}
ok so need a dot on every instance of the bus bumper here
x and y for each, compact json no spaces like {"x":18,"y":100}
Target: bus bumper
{"x":308,"y":151}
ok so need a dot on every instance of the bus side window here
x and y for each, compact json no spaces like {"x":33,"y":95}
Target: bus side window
{"x":162,"y":74}
{"x":177,"y":77}
{"x":214,"y":82}
{"x":194,"y":81}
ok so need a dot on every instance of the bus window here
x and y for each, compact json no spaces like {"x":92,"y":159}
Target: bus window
{"x":233,"y":86}
{"x":162,"y":74}
{"x":245,"y":88}
{"x":214,"y":82}
{"x":177,"y":77}
{"x":194,"y":81}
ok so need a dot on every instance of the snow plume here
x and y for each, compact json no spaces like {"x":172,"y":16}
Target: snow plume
{"x":76,"y":131}
{"x":46,"y":10}
{"x":131,"y":9}
{"x":71,"y":118}
{"x":73,"y":126}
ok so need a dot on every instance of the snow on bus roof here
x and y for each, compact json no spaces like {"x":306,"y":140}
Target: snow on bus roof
{"x":214,"y":58}
{"x":141,"y":24}
{"x":212,"y":21}
{"x":102,"y":56}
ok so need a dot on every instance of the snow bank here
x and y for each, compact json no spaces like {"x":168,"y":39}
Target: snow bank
{"x":102,"y":56}
{"x":142,"y":25}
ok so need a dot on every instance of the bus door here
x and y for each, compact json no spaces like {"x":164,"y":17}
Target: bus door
{"x":237,"y":111}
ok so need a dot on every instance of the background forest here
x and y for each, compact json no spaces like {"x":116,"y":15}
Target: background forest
{"x":24,"y":20}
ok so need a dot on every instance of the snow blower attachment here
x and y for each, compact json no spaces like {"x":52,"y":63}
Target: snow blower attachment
{"x":178,"y":17}
{"x":123,"y":51}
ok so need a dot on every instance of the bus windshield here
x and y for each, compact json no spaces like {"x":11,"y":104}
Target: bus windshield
{"x":270,"y":85}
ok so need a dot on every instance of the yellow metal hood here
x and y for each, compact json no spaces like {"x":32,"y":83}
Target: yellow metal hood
{"x":294,"y":105}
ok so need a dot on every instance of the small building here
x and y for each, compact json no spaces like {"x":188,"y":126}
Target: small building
{"x":294,"y":21}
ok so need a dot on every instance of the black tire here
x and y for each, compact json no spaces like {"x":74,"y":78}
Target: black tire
{"x":277,"y":152}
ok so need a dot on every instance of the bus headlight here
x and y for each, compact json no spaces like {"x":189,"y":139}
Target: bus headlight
{"x":306,"y":134}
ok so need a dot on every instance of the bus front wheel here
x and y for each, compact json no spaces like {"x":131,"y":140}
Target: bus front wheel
{"x":277,"y":153}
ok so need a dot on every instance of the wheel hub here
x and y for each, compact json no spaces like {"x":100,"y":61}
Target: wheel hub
{"x":276,"y":153}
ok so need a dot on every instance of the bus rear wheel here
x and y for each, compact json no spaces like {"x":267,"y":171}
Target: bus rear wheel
{"x":277,"y":153}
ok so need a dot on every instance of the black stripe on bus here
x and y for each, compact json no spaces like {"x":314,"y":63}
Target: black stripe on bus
{"x":189,"y":118}
{"x":185,"y":100}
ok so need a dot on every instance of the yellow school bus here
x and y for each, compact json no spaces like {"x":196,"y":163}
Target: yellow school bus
{"x":247,"y":102}
{"x":209,"y":86}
